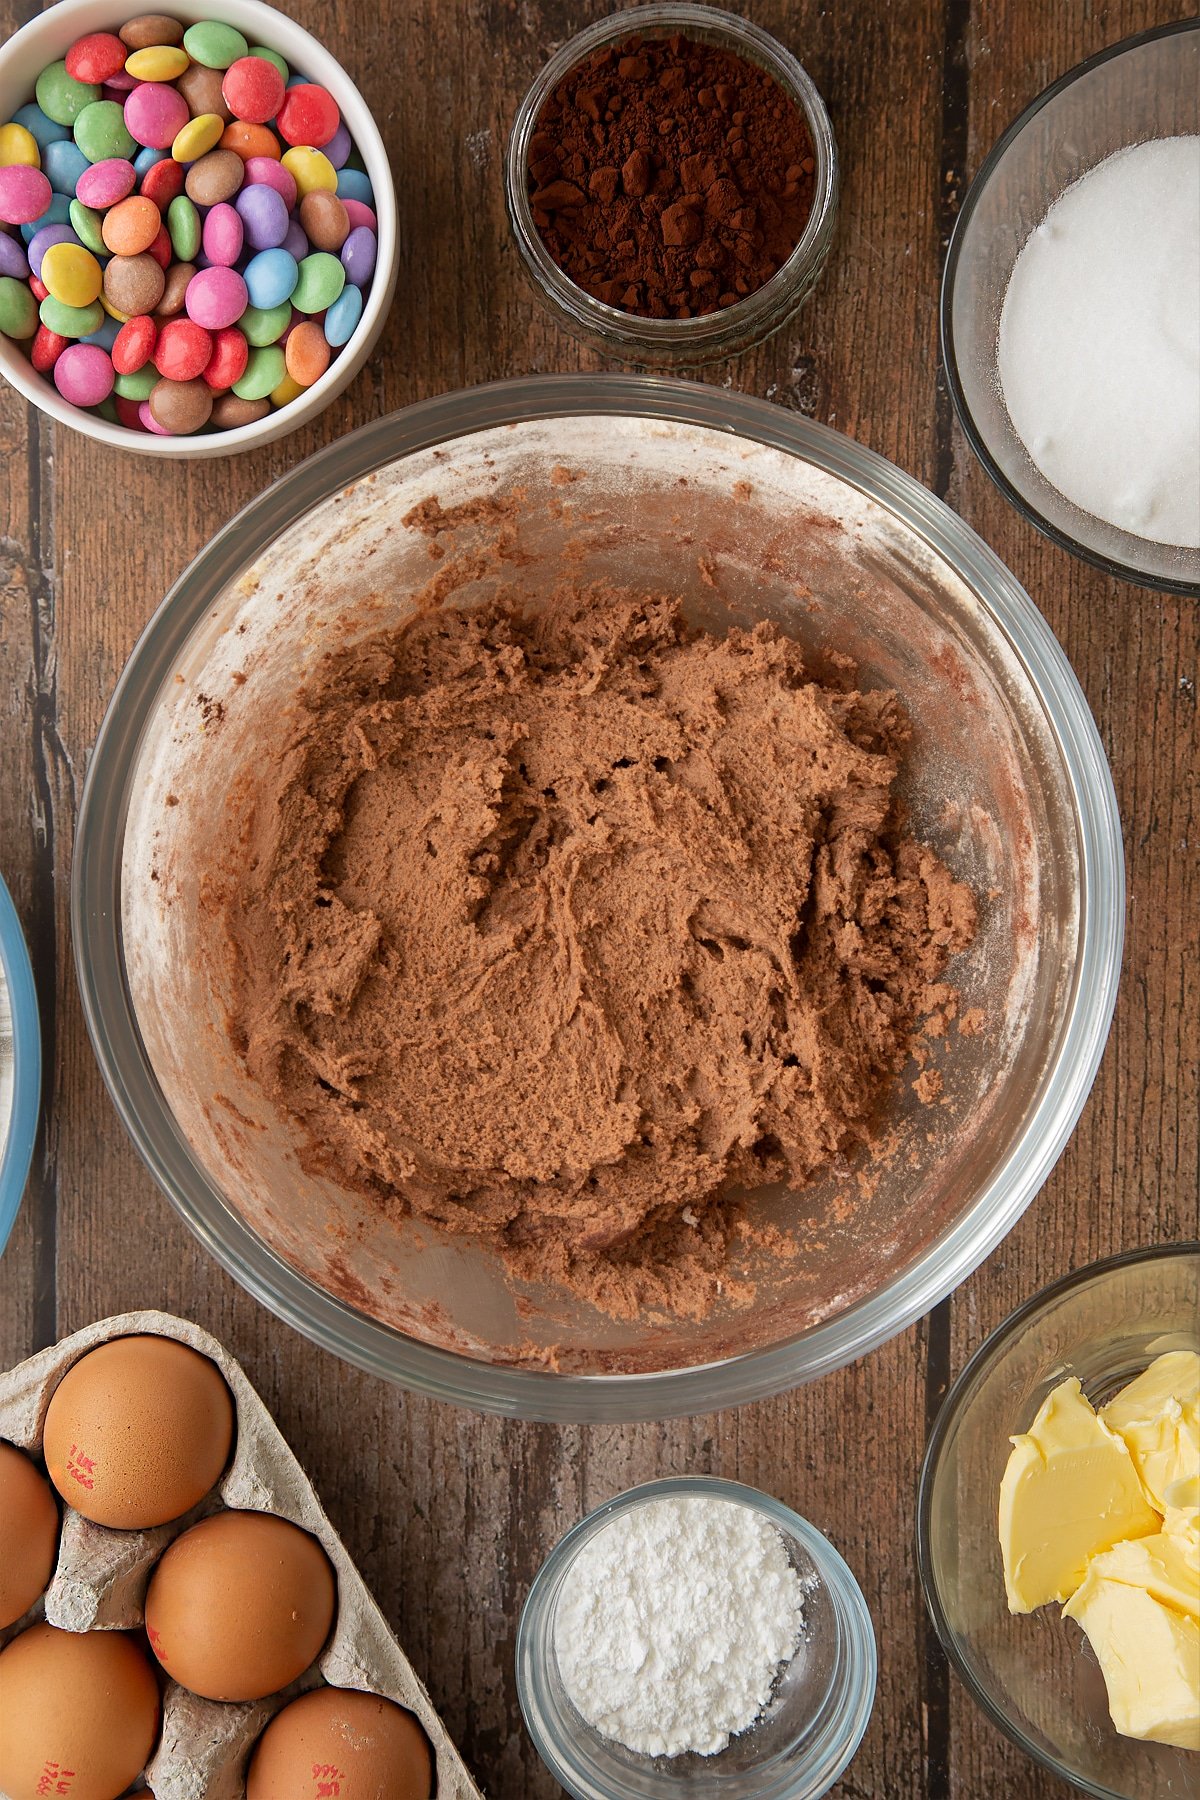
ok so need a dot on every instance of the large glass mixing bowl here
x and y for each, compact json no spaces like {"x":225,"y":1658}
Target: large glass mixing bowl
{"x":748,"y":512}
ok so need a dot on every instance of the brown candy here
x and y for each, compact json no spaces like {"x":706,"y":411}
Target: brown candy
{"x":217,"y":177}
{"x":181,"y":406}
{"x":174,"y":289}
{"x":201,"y":88}
{"x":134,"y":284}
{"x":231,"y":411}
{"x":149,"y":30}
{"x":325,"y":220}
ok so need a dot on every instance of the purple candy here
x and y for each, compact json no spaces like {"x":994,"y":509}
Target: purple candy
{"x":358,"y":256}
{"x":104,"y":183}
{"x":223,"y":234}
{"x":264,"y":216}
{"x":13,"y":260}
{"x":264,"y":171}
{"x":118,"y":85}
{"x":155,"y":114}
{"x":359,"y":213}
{"x":339,"y":146}
{"x":83,"y":374}
{"x":25,"y":194}
{"x":41,"y":241}
{"x":296,"y":243}
{"x":216,"y":298}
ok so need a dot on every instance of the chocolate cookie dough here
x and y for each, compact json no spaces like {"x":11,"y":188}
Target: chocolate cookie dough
{"x":564,"y":928}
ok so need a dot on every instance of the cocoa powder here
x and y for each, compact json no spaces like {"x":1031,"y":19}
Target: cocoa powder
{"x":669,"y":177}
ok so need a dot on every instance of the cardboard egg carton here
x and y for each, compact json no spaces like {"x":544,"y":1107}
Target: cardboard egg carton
{"x":101,"y":1578}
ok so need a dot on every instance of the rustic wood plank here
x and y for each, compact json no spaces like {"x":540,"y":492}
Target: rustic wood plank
{"x":447,"y":1514}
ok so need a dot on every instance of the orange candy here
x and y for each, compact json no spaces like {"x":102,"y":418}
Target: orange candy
{"x":250,"y":140}
{"x":306,"y":353}
{"x":131,"y":226}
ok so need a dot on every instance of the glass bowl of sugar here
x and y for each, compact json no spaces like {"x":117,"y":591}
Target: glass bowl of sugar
{"x":695,"y":1637}
{"x":1071,"y":310}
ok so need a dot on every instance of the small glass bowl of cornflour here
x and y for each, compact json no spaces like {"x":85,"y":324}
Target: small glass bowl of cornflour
{"x":695,"y":1637}
{"x":1071,"y":310}
{"x":20,"y":1064}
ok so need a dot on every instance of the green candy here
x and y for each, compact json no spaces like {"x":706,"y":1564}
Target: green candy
{"x":101,"y":132}
{"x":265,"y":325}
{"x":264,"y":372}
{"x":106,"y":410}
{"x":213,"y":44}
{"x":138,"y":385}
{"x":354,"y":160}
{"x":18,"y":309}
{"x":320,"y":281}
{"x":183,"y":228}
{"x":271,"y":56}
{"x":70,"y":321}
{"x":85,"y":223}
{"x":61,"y":97}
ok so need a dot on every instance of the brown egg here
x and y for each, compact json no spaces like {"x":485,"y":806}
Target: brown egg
{"x":78,"y":1714}
{"x":240,"y":1605}
{"x":138,"y":1431}
{"x":28,"y":1534}
{"x":335,"y":1741}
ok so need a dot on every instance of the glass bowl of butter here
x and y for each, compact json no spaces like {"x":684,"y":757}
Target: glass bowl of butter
{"x":1058,"y":1526}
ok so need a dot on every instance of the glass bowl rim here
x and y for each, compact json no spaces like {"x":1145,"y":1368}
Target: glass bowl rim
{"x":859,"y":1648}
{"x":948,"y":1413}
{"x":1129,"y":572}
{"x":752,"y":317}
{"x":515,"y":1391}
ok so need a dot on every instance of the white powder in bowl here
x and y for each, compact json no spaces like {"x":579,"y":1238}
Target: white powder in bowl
{"x":673,"y":1624}
{"x":1099,"y":347}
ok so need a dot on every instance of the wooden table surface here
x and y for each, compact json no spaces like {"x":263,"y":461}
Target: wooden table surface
{"x":448,"y":1515}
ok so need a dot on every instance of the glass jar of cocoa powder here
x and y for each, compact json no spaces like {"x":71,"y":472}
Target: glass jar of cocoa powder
{"x":591,"y":282}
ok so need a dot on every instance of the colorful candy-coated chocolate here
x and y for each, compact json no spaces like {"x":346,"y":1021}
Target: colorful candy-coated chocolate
{"x":42,"y":240}
{"x":295,"y":243}
{"x":88,"y":226}
{"x":265,"y":369}
{"x":201,"y":88}
{"x":229,"y":412}
{"x":197,"y":137}
{"x":273,"y":57}
{"x":264,"y":216}
{"x":227,"y":363}
{"x":19,"y":146}
{"x":155,"y":114}
{"x":288,"y":390}
{"x":45,"y":349}
{"x":310,"y":170}
{"x":262,"y":326}
{"x":71,"y":274}
{"x":150,"y":28}
{"x":39,"y":292}
{"x":133,"y":285}
{"x":353,"y":184}
{"x":134,"y":346}
{"x":104,"y":183}
{"x":215,"y":177}
{"x":181,"y":407}
{"x":339,"y":146}
{"x":183,"y":223}
{"x":96,"y":57}
{"x":146,"y":159}
{"x":62,"y":165}
{"x":148,"y":422}
{"x":161,"y":250}
{"x":101,"y":131}
{"x":250,"y":140}
{"x":25,"y":194}
{"x":183,"y":349}
{"x":83,"y":374}
{"x":162,"y":182}
{"x":325,"y":220}
{"x":131,"y":226}
{"x":41,"y":129}
{"x":320,"y":278}
{"x":309,"y":115}
{"x":61,"y":97}
{"x":57,"y":213}
{"x":271,"y":277}
{"x":215,"y":298}
{"x":18,"y":308}
{"x":223,"y":235}
{"x":105,"y":337}
{"x":13,"y":258}
{"x":70,"y":321}
{"x":253,"y":90}
{"x":358,"y":256}
{"x":307,"y":353}
{"x":157,"y":62}
{"x":138,"y":385}
{"x":214,"y":44}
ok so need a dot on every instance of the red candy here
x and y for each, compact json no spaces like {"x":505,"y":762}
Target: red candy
{"x":183,"y":351}
{"x":38,"y":289}
{"x":129,"y":414}
{"x":46,"y":349}
{"x":309,"y":115}
{"x":160,"y":249}
{"x":162,"y":182}
{"x":134,"y":344}
{"x":253,"y":89}
{"x":96,"y":58}
{"x":227,"y":363}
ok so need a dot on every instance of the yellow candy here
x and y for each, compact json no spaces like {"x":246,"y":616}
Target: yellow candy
{"x":199,"y":136}
{"x":111,"y":310}
{"x":310,"y":170}
{"x":18,"y":146}
{"x":72,"y":274}
{"x":161,"y":62}
{"x":287,"y":391}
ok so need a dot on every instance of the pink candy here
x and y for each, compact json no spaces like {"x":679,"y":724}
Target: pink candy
{"x":359,"y":213}
{"x":149,"y":422}
{"x":223,"y":235}
{"x":104,"y":183}
{"x":155,"y":114}
{"x":216,"y":298}
{"x":264,"y":171}
{"x":83,"y":374}
{"x":25,"y":194}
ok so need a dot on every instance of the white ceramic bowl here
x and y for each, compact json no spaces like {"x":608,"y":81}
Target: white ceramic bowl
{"x":45,"y":40}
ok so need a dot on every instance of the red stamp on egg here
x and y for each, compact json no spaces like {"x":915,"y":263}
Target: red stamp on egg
{"x":81,"y":1468}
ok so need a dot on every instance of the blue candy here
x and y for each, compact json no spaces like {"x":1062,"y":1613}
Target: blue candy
{"x":353,"y":184}
{"x":62,"y":165}
{"x":343,"y":316}
{"x":57,"y":213}
{"x":43,"y":129}
{"x":146,"y":159}
{"x":106,"y":337}
{"x":271,"y":277}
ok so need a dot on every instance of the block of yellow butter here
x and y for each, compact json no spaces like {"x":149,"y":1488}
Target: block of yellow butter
{"x":1158,"y":1416}
{"x":1070,"y":1490}
{"x":1149,"y":1655}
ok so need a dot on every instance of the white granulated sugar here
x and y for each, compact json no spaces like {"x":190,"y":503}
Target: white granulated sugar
{"x":1100,"y":342}
{"x":673,"y":1623}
